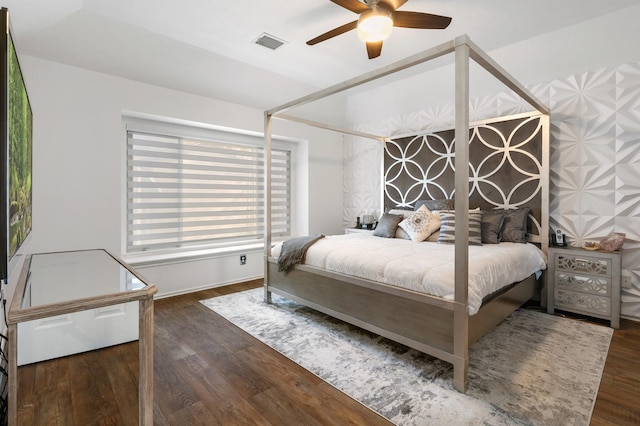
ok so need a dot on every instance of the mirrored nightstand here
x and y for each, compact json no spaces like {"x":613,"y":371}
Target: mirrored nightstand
{"x":585,"y":282}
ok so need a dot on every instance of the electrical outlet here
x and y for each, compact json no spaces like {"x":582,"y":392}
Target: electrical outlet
{"x":626,"y":282}
{"x":243,"y":259}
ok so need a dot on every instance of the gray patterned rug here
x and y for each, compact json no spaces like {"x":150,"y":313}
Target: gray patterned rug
{"x":533,"y":369}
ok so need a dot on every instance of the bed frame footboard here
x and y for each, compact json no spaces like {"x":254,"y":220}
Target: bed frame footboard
{"x":419,"y":321}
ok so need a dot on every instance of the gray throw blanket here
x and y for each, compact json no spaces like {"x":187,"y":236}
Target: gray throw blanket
{"x":294,"y":250}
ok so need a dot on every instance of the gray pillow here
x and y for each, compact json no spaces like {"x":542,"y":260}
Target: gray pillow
{"x":439,"y":204}
{"x":387,"y":225}
{"x":492,"y":221}
{"x":401,"y":233}
{"x":514,"y":228}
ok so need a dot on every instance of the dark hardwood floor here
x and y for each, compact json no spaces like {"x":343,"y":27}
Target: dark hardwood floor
{"x":618,"y":401}
{"x":209,"y":372}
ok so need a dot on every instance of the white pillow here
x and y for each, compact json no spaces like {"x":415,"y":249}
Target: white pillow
{"x":400,"y":233}
{"x":433,"y":238}
{"x":420,"y":224}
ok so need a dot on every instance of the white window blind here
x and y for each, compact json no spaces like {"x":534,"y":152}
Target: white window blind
{"x":193,"y":192}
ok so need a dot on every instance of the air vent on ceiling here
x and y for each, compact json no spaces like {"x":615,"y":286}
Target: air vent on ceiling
{"x":267,"y":40}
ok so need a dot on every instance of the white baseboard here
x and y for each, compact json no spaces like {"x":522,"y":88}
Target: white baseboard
{"x":205,"y":287}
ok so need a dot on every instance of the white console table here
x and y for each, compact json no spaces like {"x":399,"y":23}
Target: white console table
{"x":59,"y":283}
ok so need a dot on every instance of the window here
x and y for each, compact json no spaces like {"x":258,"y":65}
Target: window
{"x":188,"y":192}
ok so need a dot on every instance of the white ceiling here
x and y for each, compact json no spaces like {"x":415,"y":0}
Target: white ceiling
{"x":206,"y":46}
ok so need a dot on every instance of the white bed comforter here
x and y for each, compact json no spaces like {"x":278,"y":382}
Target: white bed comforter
{"x":425,"y":267}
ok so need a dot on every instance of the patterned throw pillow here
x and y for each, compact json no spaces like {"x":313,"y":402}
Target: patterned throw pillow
{"x":433,"y":238}
{"x":420,"y":224}
{"x":448,"y":228}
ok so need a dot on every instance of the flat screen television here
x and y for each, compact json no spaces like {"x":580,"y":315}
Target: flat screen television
{"x":15,"y":151}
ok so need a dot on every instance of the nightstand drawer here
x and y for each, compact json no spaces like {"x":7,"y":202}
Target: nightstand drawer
{"x":586,"y":303}
{"x":600,"y":286}
{"x":584,"y":265}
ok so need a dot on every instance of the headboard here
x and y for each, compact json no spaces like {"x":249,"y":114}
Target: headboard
{"x":508,"y":168}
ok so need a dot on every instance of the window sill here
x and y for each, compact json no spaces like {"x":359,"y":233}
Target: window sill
{"x":151,"y":259}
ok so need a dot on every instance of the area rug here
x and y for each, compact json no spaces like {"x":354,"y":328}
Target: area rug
{"x":533,"y":369}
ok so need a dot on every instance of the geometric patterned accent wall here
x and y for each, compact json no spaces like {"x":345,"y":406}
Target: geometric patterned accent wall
{"x":361,"y":186}
{"x":594,"y":158}
{"x":506,"y":167}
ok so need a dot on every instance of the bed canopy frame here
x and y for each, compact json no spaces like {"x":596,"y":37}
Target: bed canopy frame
{"x":463,"y":49}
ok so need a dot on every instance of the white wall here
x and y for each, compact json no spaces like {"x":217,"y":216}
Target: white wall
{"x":78,"y":162}
{"x":607,"y":41}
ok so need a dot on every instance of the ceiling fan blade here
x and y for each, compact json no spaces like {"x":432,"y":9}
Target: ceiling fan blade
{"x":374,"y":49}
{"x":352,"y":5}
{"x":420,"y":20}
{"x":334,"y":32}
{"x":392,"y":4}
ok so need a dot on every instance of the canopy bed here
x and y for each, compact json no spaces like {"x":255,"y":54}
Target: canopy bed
{"x":439,"y":324}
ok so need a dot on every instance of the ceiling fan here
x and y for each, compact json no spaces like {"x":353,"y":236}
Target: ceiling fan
{"x":376,"y":20}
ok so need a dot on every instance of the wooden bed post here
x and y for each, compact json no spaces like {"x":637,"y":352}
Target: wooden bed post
{"x":461,"y":306}
{"x":268,"y":118}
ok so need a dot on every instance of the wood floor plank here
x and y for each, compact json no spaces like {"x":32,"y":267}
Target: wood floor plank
{"x":92,"y":391}
{"x":278,"y":408}
{"x":193,"y":414}
{"x":124,"y":381}
{"x":170,"y":391}
{"x":26,"y":384}
{"x":212,"y":343}
{"x":159,"y":419}
{"x":213,"y":389}
{"x":208,"y":371}
{"x":619,"y":392}
{"x":167,"y":342}
{"x":230,"y":337}
{"x":303,"y":387}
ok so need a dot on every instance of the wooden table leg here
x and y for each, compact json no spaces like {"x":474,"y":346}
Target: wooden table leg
{"x":145,"y":379}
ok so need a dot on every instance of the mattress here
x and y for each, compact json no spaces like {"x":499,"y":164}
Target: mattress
{"x":426,"y":267}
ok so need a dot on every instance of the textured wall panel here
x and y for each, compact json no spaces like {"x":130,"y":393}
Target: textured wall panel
{"x":595,"y":158}
{"x":362,"y":179}
{"x":627,"y":184}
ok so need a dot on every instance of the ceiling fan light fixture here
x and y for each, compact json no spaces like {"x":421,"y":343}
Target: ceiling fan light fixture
{"x":375,"y":25}
{"x":376,"y":19}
